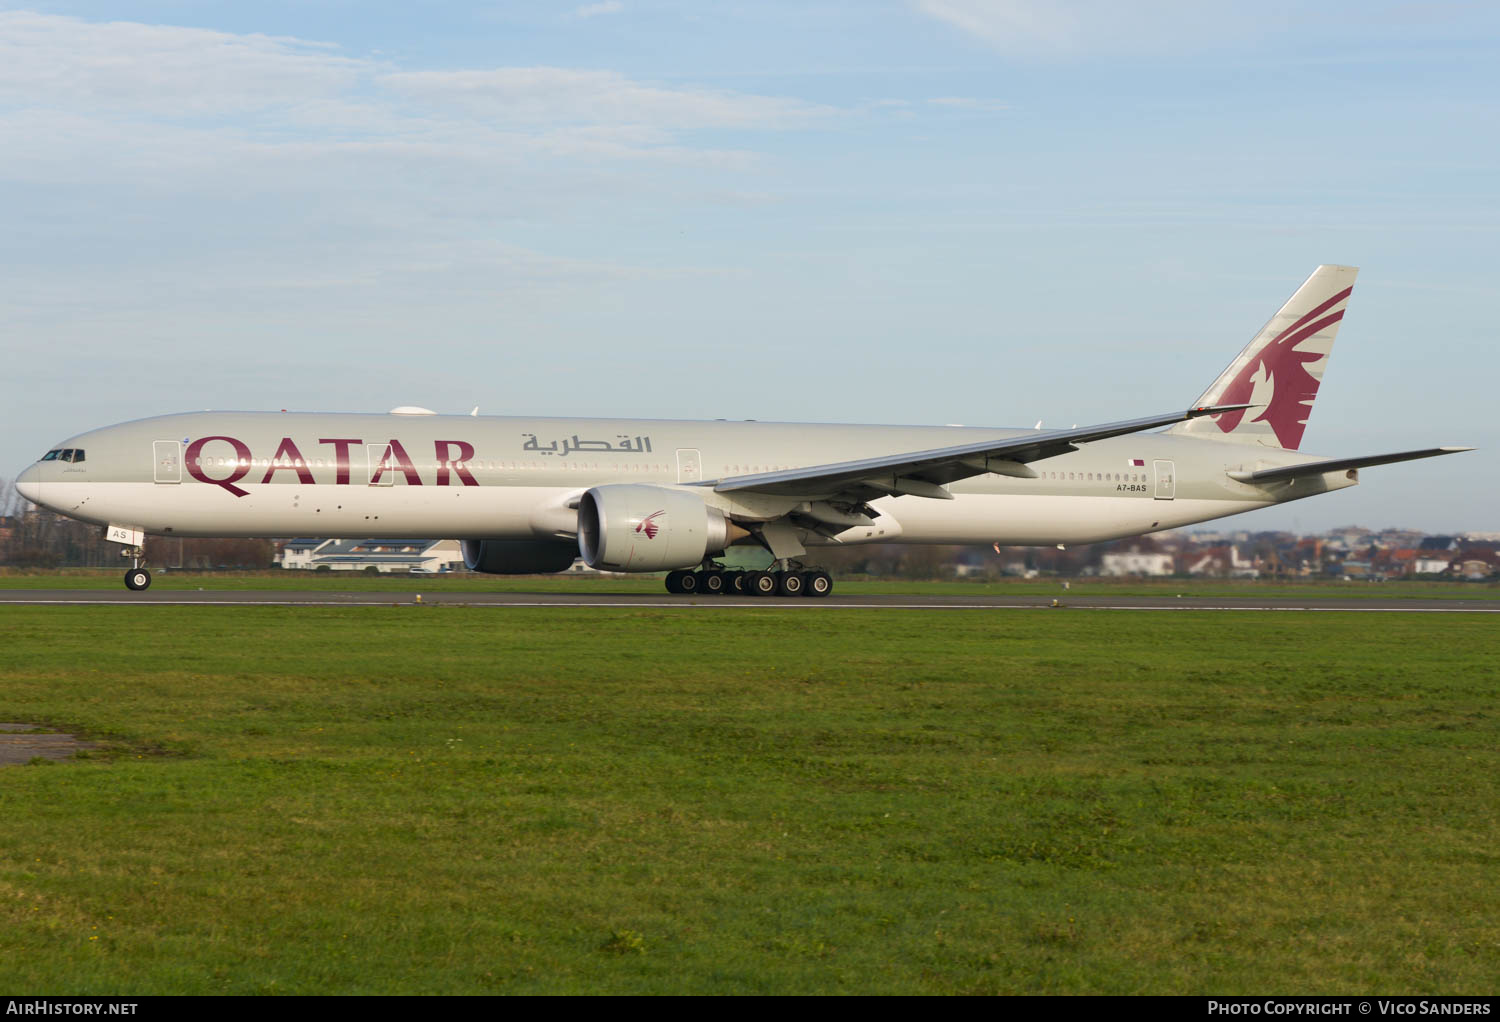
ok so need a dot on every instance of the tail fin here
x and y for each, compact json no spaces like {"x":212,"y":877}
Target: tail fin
{"x":1279,"y":371}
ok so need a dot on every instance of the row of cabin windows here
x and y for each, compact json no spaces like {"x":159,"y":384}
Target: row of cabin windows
{"x":71,"y":454}
{"x":1098,"y":477}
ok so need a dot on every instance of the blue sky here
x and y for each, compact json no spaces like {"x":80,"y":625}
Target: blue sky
{"x":978,"y":211}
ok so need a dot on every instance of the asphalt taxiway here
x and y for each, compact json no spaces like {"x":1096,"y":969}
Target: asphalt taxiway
{"x":636,"y":601}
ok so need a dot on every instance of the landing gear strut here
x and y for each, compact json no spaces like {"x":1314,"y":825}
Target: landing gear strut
{"x":137,"y":578}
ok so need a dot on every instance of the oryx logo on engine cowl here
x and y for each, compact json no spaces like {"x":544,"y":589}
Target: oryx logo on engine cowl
{"x":649,"y":525}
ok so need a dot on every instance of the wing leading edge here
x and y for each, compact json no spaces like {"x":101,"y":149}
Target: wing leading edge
{"x":927,"y":473}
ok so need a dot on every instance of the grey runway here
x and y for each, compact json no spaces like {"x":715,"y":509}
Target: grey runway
{"x":639,"y":601}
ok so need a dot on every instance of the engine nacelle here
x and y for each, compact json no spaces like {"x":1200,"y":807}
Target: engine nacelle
{"x":632,"y":527}
{"x":518,"y":556}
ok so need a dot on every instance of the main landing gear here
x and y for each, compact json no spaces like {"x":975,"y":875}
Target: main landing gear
{"x":137,"y":578}
{"x":789,"y":580}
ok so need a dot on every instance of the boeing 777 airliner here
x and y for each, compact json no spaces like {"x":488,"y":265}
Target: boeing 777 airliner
{"x":529,"y":495}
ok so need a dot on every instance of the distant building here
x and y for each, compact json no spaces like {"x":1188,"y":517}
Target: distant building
{"x":1136,"y":561}
{"x":1221,"y":562}
{"x":1426,"y":563}
{"x":1476,"y":568}
{"x":424,"y":556}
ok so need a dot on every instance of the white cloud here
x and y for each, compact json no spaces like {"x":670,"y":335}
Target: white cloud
{"x":969,"y":103}
{"x":593,"y":10}
{"x":554,"y":95}
{"x":76,"y":83}
{"x":60,"y":62}
{"x":1042,"y":27}
{"x":1007,"y":22}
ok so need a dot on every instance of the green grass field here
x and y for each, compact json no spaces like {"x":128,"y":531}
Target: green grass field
{"x":464,"y":800}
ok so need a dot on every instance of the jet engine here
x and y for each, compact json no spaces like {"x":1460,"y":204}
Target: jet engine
{"x":634,"y":527}
{"x":518,"y":556}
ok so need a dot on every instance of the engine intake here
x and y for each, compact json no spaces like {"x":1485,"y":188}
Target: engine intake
{"x":633,"y":527}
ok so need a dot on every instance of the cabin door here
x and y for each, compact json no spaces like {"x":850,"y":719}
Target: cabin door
{"x":1166,"y":480}
{"x":167,"y":455}
{"x":382,"y":467}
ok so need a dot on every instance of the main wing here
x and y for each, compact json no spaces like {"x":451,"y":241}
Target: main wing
{"x":927,"y":473}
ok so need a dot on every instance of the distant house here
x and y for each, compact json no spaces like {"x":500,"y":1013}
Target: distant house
{"x":297,"y":553}
{"x":1429,"y":563}
{"x":1349,"y":537}
{"x":1474,"y":565}
{"x":1222,"y":562}
{"x":425,"y":556}
{"x":1136,"y":561}
{"x":1399,"y":562}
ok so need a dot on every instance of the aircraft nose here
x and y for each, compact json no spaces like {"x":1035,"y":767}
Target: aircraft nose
{"x":29,"y":484}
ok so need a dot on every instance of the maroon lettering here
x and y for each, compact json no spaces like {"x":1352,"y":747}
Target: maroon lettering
{"x":465,"y":453}
{"x":241,"y":462}
{"x":295,"y":462}
{"x":407,"y":468}
{"x":341,"y":458}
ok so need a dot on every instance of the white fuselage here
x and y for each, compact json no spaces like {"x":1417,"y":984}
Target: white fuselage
{"x":430,"y":476}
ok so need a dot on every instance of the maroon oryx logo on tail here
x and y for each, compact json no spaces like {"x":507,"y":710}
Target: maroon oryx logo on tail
{"x":1293,"y":387}
{"x":649,"y":525}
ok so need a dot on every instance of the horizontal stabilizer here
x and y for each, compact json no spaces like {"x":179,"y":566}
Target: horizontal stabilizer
{"x":1317,"y":468}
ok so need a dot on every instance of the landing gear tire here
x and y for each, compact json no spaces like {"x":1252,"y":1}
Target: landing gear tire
{"x":674,"y":581}
{"x":760,"y":583}
{"x":689,"y":583}
{"x":789,"y":583}
{"x":137,"y":579}
{"x":734,"y":583}
{"x":817,"y":583}
{"x":712,"y":582}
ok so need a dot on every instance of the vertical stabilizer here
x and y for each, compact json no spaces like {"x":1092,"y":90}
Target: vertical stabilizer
{"x":1279,"y":371}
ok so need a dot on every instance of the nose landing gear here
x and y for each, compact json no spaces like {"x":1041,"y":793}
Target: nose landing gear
{"x":137,"y":578}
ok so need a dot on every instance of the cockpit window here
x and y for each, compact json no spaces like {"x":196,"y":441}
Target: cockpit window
{"x":51,"y":455}
{"x":73,"y":454}
{"x":78,"y":455}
